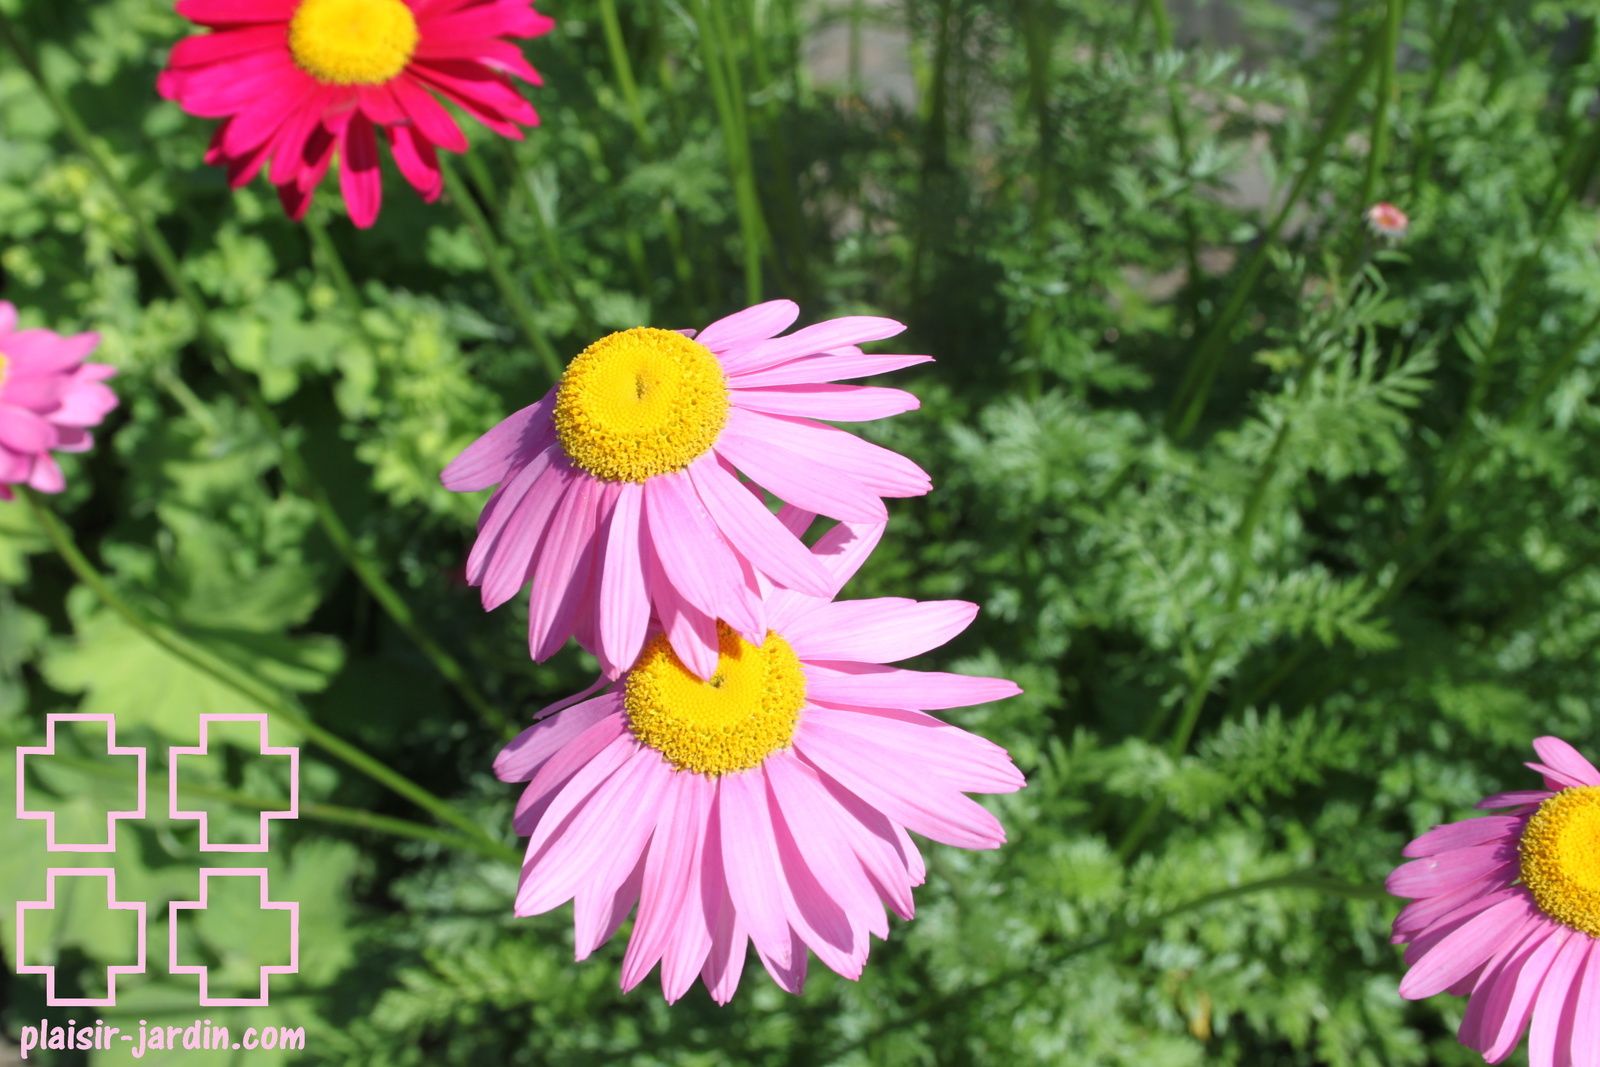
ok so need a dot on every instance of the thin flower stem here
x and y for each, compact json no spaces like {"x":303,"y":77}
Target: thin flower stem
{"x":449,"y":668}
{"x":1189,"y":402}
{"x":295,"y":472}
{"x":717,"y":59}
{"x":1382,"y":110}
{"x":515,"y":299}
{"x":1165,"y":40}
{"x":1309,"y":881}
{"x":628,"y":85}
{"x":276,"y":703}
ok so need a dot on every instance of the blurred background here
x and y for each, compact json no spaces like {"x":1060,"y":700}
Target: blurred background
{"x":1287,"y":527}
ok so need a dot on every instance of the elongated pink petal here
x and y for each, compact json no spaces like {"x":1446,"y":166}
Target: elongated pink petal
{"x":689,"y":941}
{"x":755,"y":532}
{"x":533,"y":747}
{"x":1441,"y":873}
{"x":1569,"y":761}
{"x":805,"y":484}
{"x":743,"y":328}
{"x":490,"y":459}
{"x":559,"y":817}
{"x":872,"y":686}
{"x":883,"y":472}
{"x":1516,"y":984}
{"x":1556,"y":995}
{"x":828,"y":402}
{"x":807,"y":810}
{"x":881,"y":630}
{"x":725,"y":961}
{"x":624,"y":598}
{"x":668,"y":867}
{"x":562,"y":569}
{"x":515,"y":554}
{"x":694,"y":557}
{"x":749,"y":854}
{"x":1585,"y":1038}
{"x":812,"y":340}
{"x":559,"y":769}
{"x":1466,"y":833}
{"x":594,"y":903}
{"x":1466,"y":948}
{"x":830,"y":368}
{"x":926,"y":745}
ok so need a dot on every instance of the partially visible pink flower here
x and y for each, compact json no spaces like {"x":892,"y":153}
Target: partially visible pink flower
{"x":1386,"y":220}
{"x":49,"y":400}
{"x":768,"y":807}
{"x":300,"y":82}
{"x":622,"y":494}
{"x":1506,"y":909}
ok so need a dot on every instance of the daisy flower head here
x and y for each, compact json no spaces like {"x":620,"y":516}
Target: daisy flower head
{"x":1387,"y":221}
{"x":299,"y":83}
{"x":621,"y":493}
{"x":49,"y":400}
{"x":1506,"y":909}
{"x":767,"y":806}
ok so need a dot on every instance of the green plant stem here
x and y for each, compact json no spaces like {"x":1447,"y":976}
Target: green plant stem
{"x":716,"y":55}
{"x":1166,"y":41}
{"x":628,"y":86}
{"x":295,"y":472}
{"x":1200,"y":687}
{"x":1189,"y":403}
{"x":1309,"y":881}
{"x":1383,"y":107}
{"x":277,"y":705}
{"x":515,"y":300}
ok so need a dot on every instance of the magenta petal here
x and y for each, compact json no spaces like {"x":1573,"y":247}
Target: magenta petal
{"x":755,"y":532}
{"x":880,"y":630}
{"x":1552,"y":1009}
{"x":1441,"y":873}
{"x":1463,"y":950}
{"x":747,"y":327}
{"x":490,"y":459}
{"x":1562,"y":757}
{"x":1465,"y":834}
{"x":750,"y":857}
{"x":624,"y":597}
{"x":521,"y":759}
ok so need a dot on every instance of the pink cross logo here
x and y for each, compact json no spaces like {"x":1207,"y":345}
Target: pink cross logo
{"x":49,"y":817}
{"x":49,"y":969}
{"x":178,"y":814}
{"x":292,"y":967}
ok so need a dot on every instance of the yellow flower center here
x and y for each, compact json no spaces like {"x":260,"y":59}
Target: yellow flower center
{"x":1561,"y":858}
{"x":353,"y":42}
{"x":640,"y":403}
{"x":746,"y":712}
{"x":5,"y":368}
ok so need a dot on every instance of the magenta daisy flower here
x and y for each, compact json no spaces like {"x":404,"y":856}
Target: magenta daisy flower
{"x":768,"y":806}
{"x":49,"y":400}
{"x":1386,"y":220}
{"x":297,"y":82}
{"x":1506,"y":909}
{"x":620,"y":493}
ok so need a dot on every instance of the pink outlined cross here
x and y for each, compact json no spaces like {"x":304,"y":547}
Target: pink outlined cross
{"x":177,"y":814}
{"x":49,"y":749}
{"x":49,"y":969}
{"x":174,"y":967}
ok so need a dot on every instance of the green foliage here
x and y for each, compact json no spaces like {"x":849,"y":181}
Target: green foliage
{"x":1332,"y":616}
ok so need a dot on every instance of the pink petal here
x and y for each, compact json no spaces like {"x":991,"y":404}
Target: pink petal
{"x":689,"y":942}
{"x":586,"y":844}
{"x":872,"y":686}
{"x":561,"y":766}
{"x":519,"y":760}
{"x":624,"y":599}
{"x":490,"y":459}
{"x":806,"y":809}
{"x":562,"y":569}
{"x":1585,"y":1042}
{"x":925,"y":806}
{"x":1463,"y":950}
{"x":693,"y":555}
{"x":750,"y":857}
{"x":1442,"y":872}
{"x":668,"y":868}
{"x":1465,"y":834}
{"x":1515,"y":985}
{"x":881,"y":630}
{"x":1518,"y":799}
{"x":725,"y":961}
{"x":1569,"y":761}
{"x":830,"y":403}
{"x":743,"y":327}
{"x":925,"y":745}
{"x":594,"y":902}
{"x":821,"y":337}
{"x":1557,"y":996}
{"x":755,"y":532}
{"x":691,"y":633}
{"x":830,"y":368}
{"x":23,"y":431}
{"x":880,"y":470}
{"x":518,"y":511}
{"x":800,"y":482}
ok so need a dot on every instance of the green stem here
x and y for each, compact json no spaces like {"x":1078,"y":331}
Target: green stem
{"x":752,"y":228}
{"x":511,"y":294}
{"x":449,"y":668}
{"x":275,"y":702}
{"x":1309,"y":881}
{"x":1189,"y":403}
{"x":295,"y":472}
{"x":1165,"y":39}
{"x":1383,"y":107}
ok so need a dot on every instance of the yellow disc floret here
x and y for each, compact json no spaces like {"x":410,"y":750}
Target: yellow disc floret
{"x":1561,"y":858}
{"x":747,"y":710}
{"x":640,"y":403}
{"x":353,"y":42}
{"x":5,"y":368}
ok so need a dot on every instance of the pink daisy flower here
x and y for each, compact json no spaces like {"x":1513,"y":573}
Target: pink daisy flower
{"x":49,"y":400}
{"x":1386,"y":220}
{"x":620,"y":494}
{"x":767,"y":807}
{"x":296,"y":82}
{"x":1506,"y":909}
